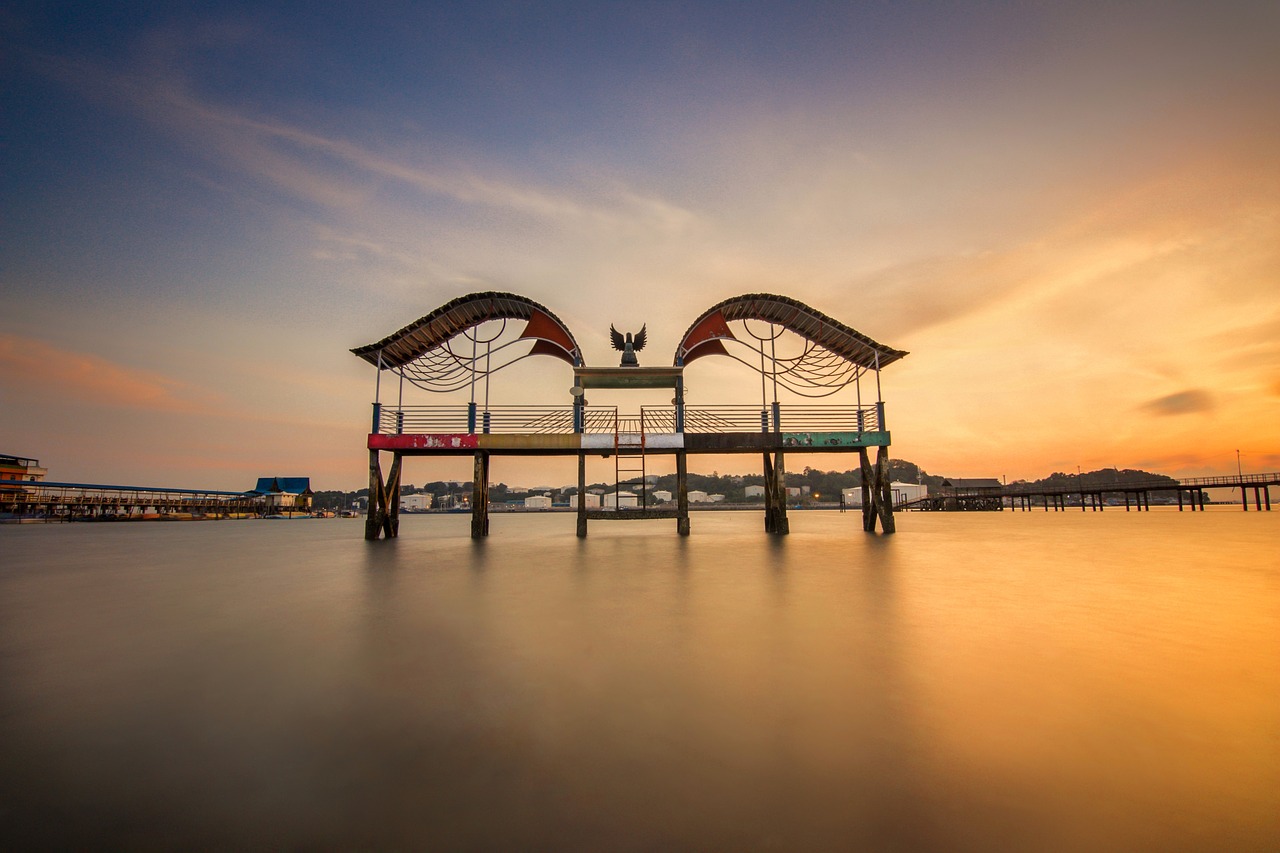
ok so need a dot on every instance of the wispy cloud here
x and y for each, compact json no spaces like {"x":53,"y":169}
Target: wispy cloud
{"x":338,"y":172}
{"x":84,"y":377}
{"x":1189,"y":402}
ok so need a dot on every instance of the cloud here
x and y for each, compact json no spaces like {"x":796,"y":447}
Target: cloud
{"x":92,"y":379}
{"x":1182,"y":403}
{"x":336,"y":172}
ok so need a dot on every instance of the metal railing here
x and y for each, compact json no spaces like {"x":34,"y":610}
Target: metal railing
{"x":468,"y":419}
{"x":464,"y":419}
{"x":1095,"y":487}
{"x":1237,"y":480}
{"x":26,"y":497}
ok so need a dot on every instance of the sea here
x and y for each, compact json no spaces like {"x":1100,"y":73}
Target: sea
{"x":1028,"y":681}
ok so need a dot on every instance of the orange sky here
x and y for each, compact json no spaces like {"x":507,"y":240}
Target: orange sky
{"x":1071,"y":220}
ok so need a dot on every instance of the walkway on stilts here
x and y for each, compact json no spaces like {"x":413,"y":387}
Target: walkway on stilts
{"x":1190,"y":493}
{"x":455,"y":348}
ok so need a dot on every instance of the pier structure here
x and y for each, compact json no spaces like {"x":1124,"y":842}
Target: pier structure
{"x":1136,"y":496}
{"x":798,"y":353}
{"x":49,"y":501}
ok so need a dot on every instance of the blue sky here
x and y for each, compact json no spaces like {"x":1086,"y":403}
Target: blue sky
{"x":1068,"y":213}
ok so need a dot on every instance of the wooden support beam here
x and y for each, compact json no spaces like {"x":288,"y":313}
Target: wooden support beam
{"x":877,"y":493}
{"x":391,"y":509}
{"x":887,"y":523}
{"x":775,"y":495}
{"x":868,"y":492}
{"x":384,"y":499}
{"x":682,"y":493}
{"x":783,"y":525}
{"x":769,"y":496}
{"x":480,"y":497}
{"x":373,"y":521}
{"x":582,"y":496}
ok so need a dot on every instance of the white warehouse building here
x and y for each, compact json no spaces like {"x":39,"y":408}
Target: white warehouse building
{"x":620,"y":500}
{"x":415,"y":503}
{"x":902,"y":492}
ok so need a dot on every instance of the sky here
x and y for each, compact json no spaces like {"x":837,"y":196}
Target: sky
{"x":1068,"y":213}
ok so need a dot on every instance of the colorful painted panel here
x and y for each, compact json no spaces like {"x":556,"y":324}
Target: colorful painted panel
{"x":422,"y":441}
{"x":835,"y":439}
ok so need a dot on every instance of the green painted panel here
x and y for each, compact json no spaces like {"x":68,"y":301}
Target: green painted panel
{"x":835,"y":439}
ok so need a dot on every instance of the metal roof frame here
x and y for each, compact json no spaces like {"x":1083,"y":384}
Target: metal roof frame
{"x":551,"y":335}
{"x":704,"y":336}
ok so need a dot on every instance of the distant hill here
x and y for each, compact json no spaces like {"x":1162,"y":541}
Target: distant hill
{"x":1102,"y":478}
{"x":821,"y":485}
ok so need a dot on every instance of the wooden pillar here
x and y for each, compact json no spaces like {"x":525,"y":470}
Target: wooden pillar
{"x":769,"y":497}
{"x":876,"y":492}
{"x":384,"y":499}
{"x":1257,"y":499}
{"x":480,"y":497}
{"x":781,"y":525}
{"x":582,"y":496}
{"x":1244,"y":499}
{"x":868,"y":501}
{"x":391,"y":510}
{"x":682,"y":493}
{"x":775,"y":495}
{"x":887,"y":523}
{"x":377,"y":498}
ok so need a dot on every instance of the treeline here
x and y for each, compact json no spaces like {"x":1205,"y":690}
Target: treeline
{"x":1102,"y":478}
{"x":815,"y":485}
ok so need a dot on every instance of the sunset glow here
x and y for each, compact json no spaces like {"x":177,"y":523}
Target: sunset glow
{"x":1069,"y":218}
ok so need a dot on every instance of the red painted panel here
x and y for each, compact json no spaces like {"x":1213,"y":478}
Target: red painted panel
{"x":423,"y":441}
{"x":544,"y":328}
{"x":542,"y":347}
{"x":707,"y":333}
{"x":711,"y":347}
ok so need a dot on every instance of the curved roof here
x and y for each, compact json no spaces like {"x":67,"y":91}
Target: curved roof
{"x":550,"y":335}
{"x":705,"y":335}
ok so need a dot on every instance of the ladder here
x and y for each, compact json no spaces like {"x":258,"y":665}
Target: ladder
{"x":628,"y":458}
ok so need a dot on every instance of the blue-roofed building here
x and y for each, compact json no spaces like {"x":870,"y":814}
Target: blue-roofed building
{"x":284,"y":492}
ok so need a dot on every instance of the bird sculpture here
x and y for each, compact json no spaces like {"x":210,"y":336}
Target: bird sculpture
{"x":628,"y":345}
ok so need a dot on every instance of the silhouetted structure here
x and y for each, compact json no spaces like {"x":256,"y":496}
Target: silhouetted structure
{"x":461,"y":345}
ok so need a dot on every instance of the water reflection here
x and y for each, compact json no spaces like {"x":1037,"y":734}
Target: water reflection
{"x":973,"y":682}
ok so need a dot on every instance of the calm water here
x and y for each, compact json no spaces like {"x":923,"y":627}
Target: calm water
{"x":1017,"y":681}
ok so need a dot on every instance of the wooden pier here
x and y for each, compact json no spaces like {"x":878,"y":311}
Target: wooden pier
{"x":42,"y":500}
{"x":1136,"y":496}
{"x":458,"y":347}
